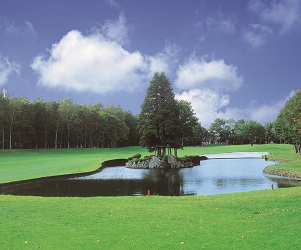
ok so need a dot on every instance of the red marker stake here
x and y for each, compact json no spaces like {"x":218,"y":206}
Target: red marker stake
{"x":148,"y":193}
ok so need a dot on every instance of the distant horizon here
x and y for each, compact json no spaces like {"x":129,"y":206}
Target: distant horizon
{"x":125,"y":110}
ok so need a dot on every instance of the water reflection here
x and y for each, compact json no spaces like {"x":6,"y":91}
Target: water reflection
{"x":211,"y":177}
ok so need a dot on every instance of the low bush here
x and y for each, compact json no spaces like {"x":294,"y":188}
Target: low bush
{"x":135,"y":160}
{"x":138,"y":156}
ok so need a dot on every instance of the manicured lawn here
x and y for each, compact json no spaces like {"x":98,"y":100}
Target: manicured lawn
{"x":27,"y":164}
{"x":255,"y":220}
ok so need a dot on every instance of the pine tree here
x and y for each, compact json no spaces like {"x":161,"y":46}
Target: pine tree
{"x":159,"y":118}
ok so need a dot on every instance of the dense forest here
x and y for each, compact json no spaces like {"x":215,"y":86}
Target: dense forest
{"x":28,"y":124}
{"x":63,"y":124}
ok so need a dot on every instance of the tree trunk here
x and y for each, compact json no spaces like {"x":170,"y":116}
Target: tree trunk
{"x":10,"y":136}
{"x":3,"y":137}
{"x":46,"y":135}
{"x":55,"y":140}
{"x":68,"y":133}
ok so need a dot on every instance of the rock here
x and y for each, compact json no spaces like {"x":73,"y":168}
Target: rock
{"x":154,"y":162}
{"x":169,"y":162}
{"x":173,"y":162}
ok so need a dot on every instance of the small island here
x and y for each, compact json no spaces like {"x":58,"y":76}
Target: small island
{"x":163,"y":124}
{"x":163,"y":161}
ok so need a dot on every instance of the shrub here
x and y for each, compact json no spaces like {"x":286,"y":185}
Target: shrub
{"x":138,"y":156}
{"x":135,"y":160}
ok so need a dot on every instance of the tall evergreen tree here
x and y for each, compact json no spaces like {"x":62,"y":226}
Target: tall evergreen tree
{"x":159,"y":118}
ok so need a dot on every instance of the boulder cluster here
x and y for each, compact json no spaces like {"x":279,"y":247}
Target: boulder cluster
{"x":168,"y":161}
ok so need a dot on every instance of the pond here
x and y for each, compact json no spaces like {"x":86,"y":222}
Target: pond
{"x":213,"y":176}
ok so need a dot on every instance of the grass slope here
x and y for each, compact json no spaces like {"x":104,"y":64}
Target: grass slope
{"x":27,"y":164}
{"x":255,"y":220}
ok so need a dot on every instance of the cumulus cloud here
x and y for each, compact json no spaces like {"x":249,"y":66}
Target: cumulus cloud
{"x":7,"y":68}
{"x":214,"y":74}
{"x":284,"y":13}
{"x":209,"y":105}
{"x":165,"y":60}
{"x":257,"y":35}
{"x":115,"y":30}
{"x":98,"y":62}
{"x":90,"y":63}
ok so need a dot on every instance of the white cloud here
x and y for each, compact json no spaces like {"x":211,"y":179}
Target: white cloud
{"x":215,"y":74}
{"x":90,"y":63}
{"x":227,"y":26}
{"x":163,"y":61}
{"x":116,"y":30}
{"x":267,"y":112}
{"x":257,"y":35}
{"x":25,"y":29}
{"x":209,"y":105}
{"x":113,"y":3}
{"x":284,"y":13}
{"x":99,"y":63}
{"x":217,"y":22}
{"x":7,"y":68}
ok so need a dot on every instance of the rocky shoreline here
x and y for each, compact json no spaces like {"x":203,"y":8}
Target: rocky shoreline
{"x":169,"y":161}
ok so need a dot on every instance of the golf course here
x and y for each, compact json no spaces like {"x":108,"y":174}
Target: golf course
{"x":263,"y":219}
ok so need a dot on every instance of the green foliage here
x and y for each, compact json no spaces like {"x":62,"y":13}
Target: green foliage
{"x":164,"y":162}
{"x":288,"y":123}
{"x":63,"y":124}
{"x":159,"y":118}
{"x":237,"y":132}
{"x":188,"y":122}
{"x":135,"y":160}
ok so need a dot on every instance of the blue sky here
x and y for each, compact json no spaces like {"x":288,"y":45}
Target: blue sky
{"x":230,"y":59}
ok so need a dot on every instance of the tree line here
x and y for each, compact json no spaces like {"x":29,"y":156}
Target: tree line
{"x":63,"y":124}
{"x":162,"y":121}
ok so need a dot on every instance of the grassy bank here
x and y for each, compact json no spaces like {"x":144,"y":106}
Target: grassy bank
{"x":255,"y":220}
{"x":26,"y":164}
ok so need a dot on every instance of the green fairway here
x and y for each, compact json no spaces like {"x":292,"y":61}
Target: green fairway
{"x":26,"y":164}
{"x":255,"y":220}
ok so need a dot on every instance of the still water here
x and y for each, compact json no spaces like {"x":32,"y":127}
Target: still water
{"x":213,"y":176}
